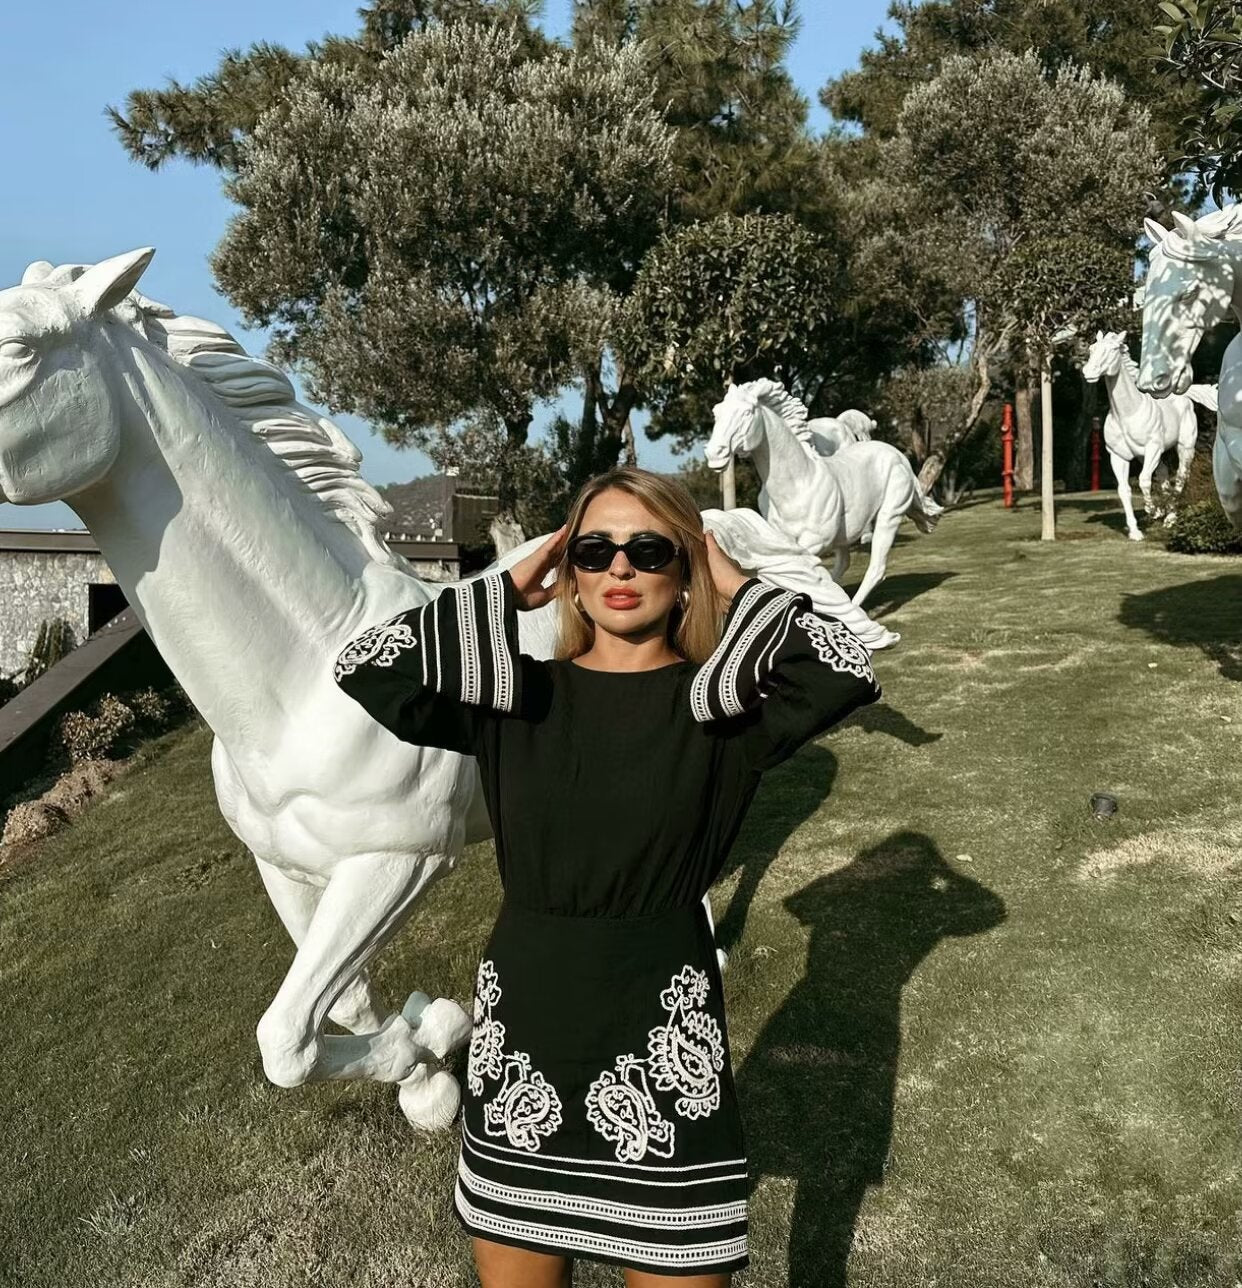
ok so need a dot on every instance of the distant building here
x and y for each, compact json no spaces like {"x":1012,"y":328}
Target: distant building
{"x":61,"y":575}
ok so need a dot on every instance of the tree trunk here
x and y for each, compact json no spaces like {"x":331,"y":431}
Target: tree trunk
{"x":728,"y":486}
{"x":982,"y":360}
{"x":1048,"y":531}
{"x":1024,"y":446}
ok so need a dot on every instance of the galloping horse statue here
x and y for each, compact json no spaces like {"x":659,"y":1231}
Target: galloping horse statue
{"x":1194,"y":282}
{"x":831,"y":433}
{"x":823,"y":503}
{"x":238,"y":526}
{"x":1142,"y":428}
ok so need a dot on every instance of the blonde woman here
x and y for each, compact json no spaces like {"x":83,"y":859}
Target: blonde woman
{"x":599,"y":1118}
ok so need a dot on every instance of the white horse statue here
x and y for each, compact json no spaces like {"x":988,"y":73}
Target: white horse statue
{"x":823,"y":503}
{"x":831,"y":433}
{"x":1193,"y":283}
{"x":237,"y":524}
{"x":1142,"y":428}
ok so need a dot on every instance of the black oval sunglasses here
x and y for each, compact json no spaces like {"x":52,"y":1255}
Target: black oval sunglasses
{"x":646,"y":551}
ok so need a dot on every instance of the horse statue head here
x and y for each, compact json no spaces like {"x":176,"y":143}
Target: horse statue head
{"x":738,"y":420}
{"x":1107,"y":357}
{"x":60,"y":424}
{"x":1190,"y":289}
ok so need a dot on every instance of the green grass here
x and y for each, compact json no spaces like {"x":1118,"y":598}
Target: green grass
{"x":981,"y":1038}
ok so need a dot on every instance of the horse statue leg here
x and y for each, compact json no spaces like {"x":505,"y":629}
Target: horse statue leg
{"x":365,"y":901}
{"x":1151,"y":463}
{"x":1121,"y":470}
{"x":883,"y":535}
{"x":840,"y":563}
{"x":356,"y":1009}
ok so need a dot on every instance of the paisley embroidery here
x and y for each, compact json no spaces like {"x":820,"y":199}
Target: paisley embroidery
{"x":487,"y":1039}
{"x":686,"y":1054}
{"x":379,"y":646}
{"x":525,"y":1108}
{"x":619,"y":1106}
{"x":837,"y":645}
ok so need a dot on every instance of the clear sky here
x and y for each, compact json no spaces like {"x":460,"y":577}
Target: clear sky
{"x":70,"y":194}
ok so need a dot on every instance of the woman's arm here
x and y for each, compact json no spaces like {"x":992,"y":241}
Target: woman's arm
{"x":792,"y":671}
{"x":439,"y":675}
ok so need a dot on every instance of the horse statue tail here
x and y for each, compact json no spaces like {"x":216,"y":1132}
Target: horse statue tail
{"x":1205,"y":396}
{"x":925,"y":512}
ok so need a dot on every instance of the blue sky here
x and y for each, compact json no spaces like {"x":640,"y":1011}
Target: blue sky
{"x":71,"y":195}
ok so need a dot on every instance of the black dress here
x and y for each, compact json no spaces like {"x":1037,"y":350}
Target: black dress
{"x":599,"y":1116}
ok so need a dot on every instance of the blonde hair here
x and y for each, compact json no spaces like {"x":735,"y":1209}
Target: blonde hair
{"x":694,"y":631}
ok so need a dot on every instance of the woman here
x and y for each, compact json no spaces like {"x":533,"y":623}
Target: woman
{"x":600,"y":1118}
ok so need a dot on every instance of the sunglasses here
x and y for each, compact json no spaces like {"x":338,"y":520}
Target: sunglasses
{"x":646,"y":551}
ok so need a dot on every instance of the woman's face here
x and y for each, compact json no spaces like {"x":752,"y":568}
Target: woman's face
{"x":621,"y":599}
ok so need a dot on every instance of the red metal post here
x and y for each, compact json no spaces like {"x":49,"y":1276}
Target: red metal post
{"x":1095,"y":453}
{"x":1007,"y":442}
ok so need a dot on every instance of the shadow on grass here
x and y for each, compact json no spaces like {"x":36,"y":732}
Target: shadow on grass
{"x":1197,"y":614}
{"x":896,"y":592}
{"x":788,"y":797}
{"x":817,"y":1089}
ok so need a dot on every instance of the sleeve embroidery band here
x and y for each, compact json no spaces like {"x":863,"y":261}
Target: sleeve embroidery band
{"x":765,"y":624}
{"x":465,"y":640}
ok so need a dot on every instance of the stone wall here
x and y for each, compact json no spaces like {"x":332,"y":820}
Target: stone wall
{"x":37,"y":585}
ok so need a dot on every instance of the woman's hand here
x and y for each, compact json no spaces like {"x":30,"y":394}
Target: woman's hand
{"x":529,"y":574}
{"x":727,"y":575}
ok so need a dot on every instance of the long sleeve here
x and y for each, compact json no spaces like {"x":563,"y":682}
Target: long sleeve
{"x":438,"y":674}
{"x":789,"y":671}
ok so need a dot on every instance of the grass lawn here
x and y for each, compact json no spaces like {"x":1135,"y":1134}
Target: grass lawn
{"x":981,"y":1038}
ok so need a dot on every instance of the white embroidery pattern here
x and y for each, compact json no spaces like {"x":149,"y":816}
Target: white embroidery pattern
{"x":686,"y":1054}
{"x":526,"y":1106}
{"x":378,"y":646}
{"x":487,"y":1038}
{"x":837,"y":645}
{"x":619,"y":1106}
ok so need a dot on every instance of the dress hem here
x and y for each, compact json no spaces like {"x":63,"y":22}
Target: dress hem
{"x":508,"y":1241}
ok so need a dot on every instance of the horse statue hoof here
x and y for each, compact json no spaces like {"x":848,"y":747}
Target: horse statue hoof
{"x":429,"y":1098}
{"x":1135,"y":535}
{"x":722,"y":959}
{"x":441,"y":1026}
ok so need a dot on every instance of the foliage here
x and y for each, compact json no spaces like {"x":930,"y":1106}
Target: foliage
{"x":103,"y":731}
{"x":1111,"y":37}
{"x":9,"y":688}
{"x":208,"y":122}
{"x":1202,"y":45}
{"x":448,"y":238}
{"x":1202,"y":528}
{"x":703,"y":483}
{"x":730,"y":299}
{"x":1015,"y":199}
{"x":923,"y":406}
{"x":718,"y":66}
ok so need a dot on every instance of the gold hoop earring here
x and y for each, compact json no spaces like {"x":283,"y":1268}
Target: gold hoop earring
{"x":578,"y":603}
{"x":684,"y":599}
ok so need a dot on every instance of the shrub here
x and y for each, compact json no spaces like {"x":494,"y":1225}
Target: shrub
{"x":1203,"y":529}
{"x":95,"y":737}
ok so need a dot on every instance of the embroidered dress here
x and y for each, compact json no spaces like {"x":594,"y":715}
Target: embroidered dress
{"x":599,"y":1115}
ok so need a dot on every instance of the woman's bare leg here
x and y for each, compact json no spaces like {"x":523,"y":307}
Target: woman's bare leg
{"x":641,"y":1279}
{"x":500,"y":1266}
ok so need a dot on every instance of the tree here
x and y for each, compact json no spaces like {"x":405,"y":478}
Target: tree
{"x":445,"y":234}
{"x":1202,"y":44}
{"x":1016,"y":196}
{"x":1111,"y":37}
{"x":730,"y":300}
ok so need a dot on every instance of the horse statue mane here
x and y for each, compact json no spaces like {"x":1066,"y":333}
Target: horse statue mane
{"x":1118,"y":340}
{"x":791,"y":410}
{"x":263,"y":399}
